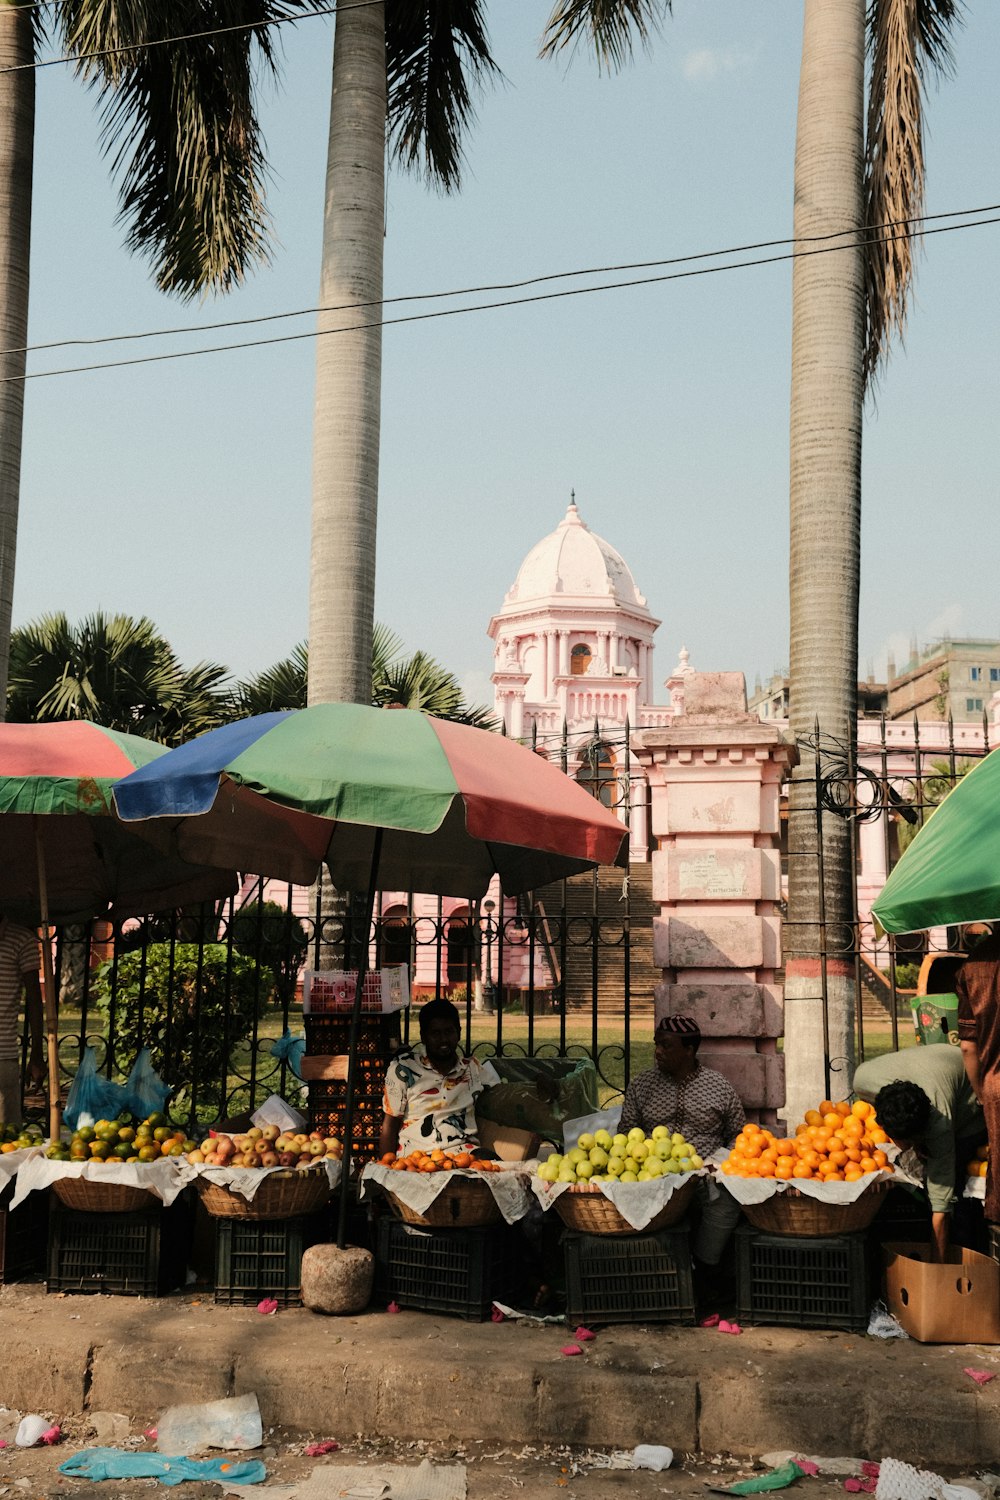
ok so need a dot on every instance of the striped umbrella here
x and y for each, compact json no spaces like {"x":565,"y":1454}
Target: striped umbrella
{"x":66,"y":857}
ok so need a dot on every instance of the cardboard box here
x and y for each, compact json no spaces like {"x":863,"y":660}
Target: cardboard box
{"x":956,"y":1302}
{"x":331,"y":991}
{"x":325,"y":1067}
{"x":506,"y":1141}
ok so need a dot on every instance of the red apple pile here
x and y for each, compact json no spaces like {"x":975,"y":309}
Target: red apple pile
{"x":266,"y":1146}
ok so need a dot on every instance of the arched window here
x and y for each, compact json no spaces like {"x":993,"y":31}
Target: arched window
{"x":461,"y":954}
{"x":597,"y":773}
{"x":396,"y":932}
{"x":579,"y":661}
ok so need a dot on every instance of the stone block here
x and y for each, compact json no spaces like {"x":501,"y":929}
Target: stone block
{"x":337,"y":1281}
{"x":716,"y":696}
{"x":715,"y":872}
{"x":746,"y":1071}
{"x":43,"y":1376}
{"x":308,"y":1384}
{"x":713,"y":806}
{"x":763,"y":1415}
{"x":710,"y":942}
{"x":125,"y":1379}
{"x":590,"y":1408}
{"x":719,"y":1009}
{"x":417,"y":1386}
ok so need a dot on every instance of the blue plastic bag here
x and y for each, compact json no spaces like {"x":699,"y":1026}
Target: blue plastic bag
{"x":290,"y":1049}
{"x":113,"y":1463}
{"x":145,"y":1091}
{"x":92,"y":1096}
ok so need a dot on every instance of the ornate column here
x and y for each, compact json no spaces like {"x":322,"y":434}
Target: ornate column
{"x":715,"y":776}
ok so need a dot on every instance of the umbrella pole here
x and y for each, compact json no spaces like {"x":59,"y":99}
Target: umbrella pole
{"x":49,"y":995}
{"x":352,"y":1045}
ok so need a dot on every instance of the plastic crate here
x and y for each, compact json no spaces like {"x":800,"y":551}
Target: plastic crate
{"x":378,"y":1036}
{"x":257,"y":1258}
{"x":133,"y":1254}
{"x":457,"y":1271}
{"x":23,"y":1232}
{"x":629,"y":1278}
{"x":327,"y":1108}
{"x":993,"y":1231}
{"x":803,"y":1281}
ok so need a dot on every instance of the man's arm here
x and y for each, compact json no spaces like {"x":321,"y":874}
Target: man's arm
{"x":970,"y":1056}
{"x":388,"y":1140}
{"x":36,"y":1028}
{"x":734,"y":1119}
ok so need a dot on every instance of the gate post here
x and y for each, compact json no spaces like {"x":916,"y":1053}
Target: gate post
{"x":715,"y":777}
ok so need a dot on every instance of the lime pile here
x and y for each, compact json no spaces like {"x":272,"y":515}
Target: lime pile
{"x":18,"y":1137}
{"x":122,"y":1140}
{"x":635,"y":1157}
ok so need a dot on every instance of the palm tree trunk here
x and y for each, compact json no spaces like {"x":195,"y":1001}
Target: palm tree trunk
{"x":349,"y":368}
{"x":17,"y":129}
{"x":828,"y":326}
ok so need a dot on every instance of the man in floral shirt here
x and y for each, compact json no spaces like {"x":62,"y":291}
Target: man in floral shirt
{"x":431,"y":1089}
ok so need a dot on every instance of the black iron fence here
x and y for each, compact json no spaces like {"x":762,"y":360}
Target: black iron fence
{"x":216,"y":994}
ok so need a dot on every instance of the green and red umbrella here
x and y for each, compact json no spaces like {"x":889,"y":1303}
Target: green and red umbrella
{"x":395,"y":798}
{"x":65,"y":857}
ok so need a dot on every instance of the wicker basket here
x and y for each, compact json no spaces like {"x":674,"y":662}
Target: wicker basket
{"x":466,"y":1203}
{"x":587,"y":1209}
{"x":90,"y":1197}
{"x":278,"y":1197}
{"x":792,"y":1212}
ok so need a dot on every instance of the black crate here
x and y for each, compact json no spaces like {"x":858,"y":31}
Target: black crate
{"x":256,"y":1258}
{"x":629,"y":1278}
{"x":379,"y":1037}
{"x":457,"y":1271}
{"x":993,"y":1231}
{"x":140,"y":1254}
{"x":23,"y":1232}
{"x":803,"y":1281}
{"x":327,"y":1110}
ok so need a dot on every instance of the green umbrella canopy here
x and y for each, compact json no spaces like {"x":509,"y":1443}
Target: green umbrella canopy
{"x":951,"y":871}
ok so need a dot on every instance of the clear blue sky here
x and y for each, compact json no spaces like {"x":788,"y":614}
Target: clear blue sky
{"x":182,"y":490}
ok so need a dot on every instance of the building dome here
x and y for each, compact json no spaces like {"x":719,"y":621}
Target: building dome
{"x":573,"y":562}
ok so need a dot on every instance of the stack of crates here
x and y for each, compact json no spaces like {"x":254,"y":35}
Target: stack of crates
{"x":23,"y":1233}
{"x":379,"y":1039}
{"x":803,"y":1281}
{"x":629,"y":1278}
{"x":258,"y":1258}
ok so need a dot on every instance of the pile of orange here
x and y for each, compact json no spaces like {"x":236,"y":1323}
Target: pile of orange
{"x":977,"y":1167}
{"x":835,"y":1143}
{"x":437,"y":1161}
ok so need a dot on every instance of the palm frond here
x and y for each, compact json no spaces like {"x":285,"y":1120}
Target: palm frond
{"x":179,"y":122}
{"x":279,"y":687}
{"x":608,"y":25}
{"x":907,"y":39}
{"x":433,"y":49}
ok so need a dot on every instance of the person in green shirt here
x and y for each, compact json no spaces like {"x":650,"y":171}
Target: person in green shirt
{"x":923,"y":1102}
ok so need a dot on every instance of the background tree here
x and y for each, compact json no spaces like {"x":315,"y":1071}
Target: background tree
{"x":180,"y":125}
{"x":400,"y":72}
{"x":116,"y":671}
{"x":857,"y":196}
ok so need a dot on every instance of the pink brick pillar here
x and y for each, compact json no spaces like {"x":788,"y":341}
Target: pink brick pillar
{"x":715,"y":776}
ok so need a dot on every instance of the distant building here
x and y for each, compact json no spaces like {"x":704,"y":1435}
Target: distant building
{"x":949,"y":677}
{"x":771,"y":702}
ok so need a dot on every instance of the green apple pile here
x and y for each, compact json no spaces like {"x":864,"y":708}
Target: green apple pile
{"x":634,"y":1157}
{"x":266,"y":1146}
{"x":122,"y":1139}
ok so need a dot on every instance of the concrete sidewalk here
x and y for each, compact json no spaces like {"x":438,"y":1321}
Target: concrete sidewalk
{"x":419,"y":1376}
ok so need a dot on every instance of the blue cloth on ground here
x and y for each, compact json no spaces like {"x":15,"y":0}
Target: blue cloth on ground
{"x":114,"y":1463}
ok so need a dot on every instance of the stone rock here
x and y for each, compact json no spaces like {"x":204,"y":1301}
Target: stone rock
{"x":111,"y":1428}
{"x":337,"y":1281}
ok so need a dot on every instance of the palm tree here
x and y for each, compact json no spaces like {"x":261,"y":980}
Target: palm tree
{"x":115,"y":671}
{"x":399,"y":73}
{"x":396,"y":681}
{"x":180,"y":125}
{"x":845,"y":307}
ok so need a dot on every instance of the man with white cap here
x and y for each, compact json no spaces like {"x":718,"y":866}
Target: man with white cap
{"x":703,"y":1105}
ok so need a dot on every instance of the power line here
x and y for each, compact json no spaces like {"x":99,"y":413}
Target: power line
{"x":190,"y":36}
{"x":452,"y":312}
{"x":502,"y":286}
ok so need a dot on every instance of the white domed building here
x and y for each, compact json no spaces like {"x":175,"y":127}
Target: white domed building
{"x":573,"y":647}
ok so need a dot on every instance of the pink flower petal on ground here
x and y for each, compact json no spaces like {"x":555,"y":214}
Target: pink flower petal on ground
{"x":52,"y":1436}
{"x":853,"y":1486}
{"x":151,"y":1433}
{"x":496,"y":1316}
{"x":869,"y":1486}
{"x":726,"y":1327}
{"x":869,"y":1469}
{"x":807,"y":1466}
{"x":571,"y":1349}
{"x":266,"y":1306}
{"x":584,"y":1335}
{"x":712,"y":1321}
{"x":393,"y":1307}
{"x":3,"y":1442}
{"x":979,"y":1376}
{"x":316,"y":1450}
